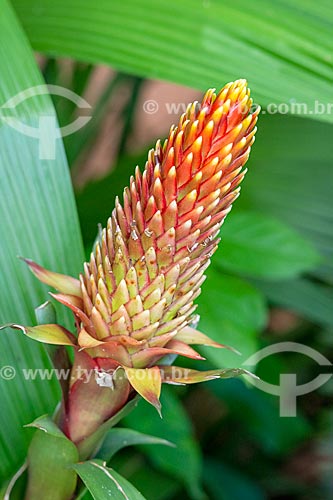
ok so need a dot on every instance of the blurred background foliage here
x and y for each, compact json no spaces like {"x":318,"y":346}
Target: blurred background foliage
{"x":271,"y":278}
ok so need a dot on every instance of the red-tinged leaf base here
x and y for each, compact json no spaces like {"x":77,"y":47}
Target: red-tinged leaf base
{"x":95,"y":395}
{"x":50,"y":458}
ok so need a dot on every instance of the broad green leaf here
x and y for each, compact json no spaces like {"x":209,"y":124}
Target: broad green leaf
{"x":153,"y":484}
{"x":291,"y":177}
{"x":50,"y":456}
{"x":254,"y":244}
{"x":199,"y":44}
{"x":312,"y":300}
{"x":248,"y":408}
{"x":38,"y":220}
{"x":105,"y":483}
{"x":176,"y":427}
{"x":232,"y":312}
{"x":226,"y":483}
{"x":119,"y":438}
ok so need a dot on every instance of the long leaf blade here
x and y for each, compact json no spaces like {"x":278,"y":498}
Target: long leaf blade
{"x":199,"y":44}
{"x":38,"y":220}
{"x":119,"y":438}
{"x":104,"y":483}
{"x":261,"y":246}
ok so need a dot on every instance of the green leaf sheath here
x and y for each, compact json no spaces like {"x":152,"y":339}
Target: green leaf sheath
{"x":45,"y":313}
{"x":50,"y":456}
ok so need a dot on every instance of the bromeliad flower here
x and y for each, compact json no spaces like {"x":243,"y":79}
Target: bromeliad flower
{"x":134,"y":302}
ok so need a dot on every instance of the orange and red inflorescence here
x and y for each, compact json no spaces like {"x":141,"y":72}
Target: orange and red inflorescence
{"x":134,"y":302}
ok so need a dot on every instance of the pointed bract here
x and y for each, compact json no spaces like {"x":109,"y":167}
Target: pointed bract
{"x":190,"y":335}
{"x":178,"y":375}
{"x":48,"y":334}
{"x":61,"y":282}
{"x":147,"y":382}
